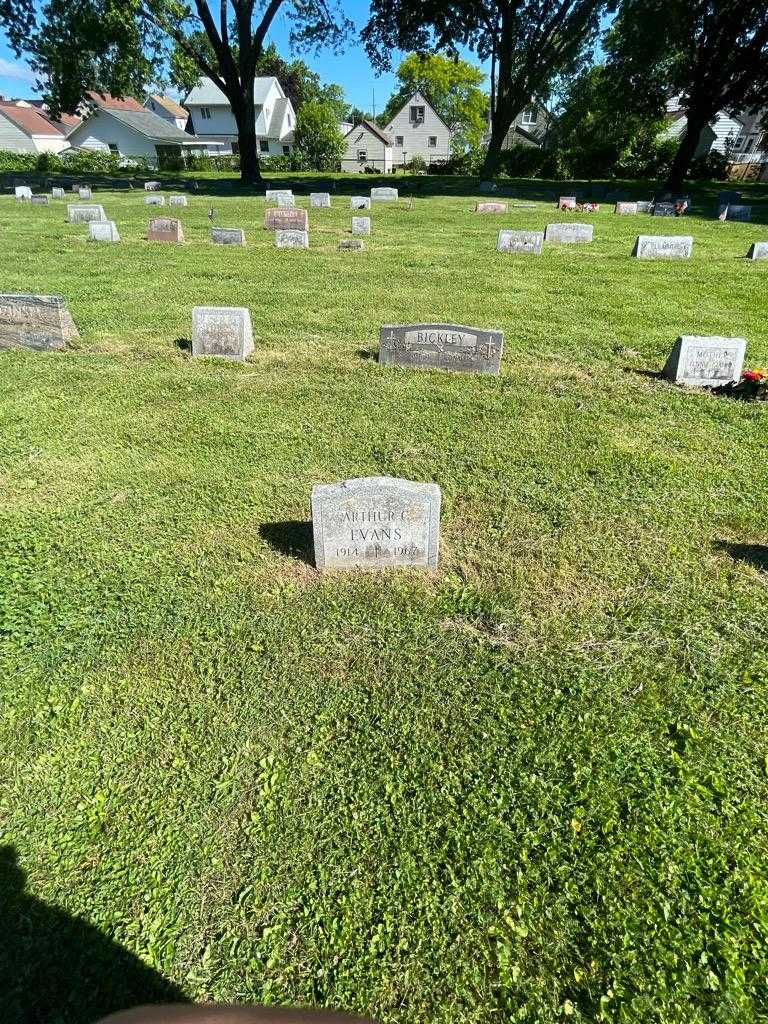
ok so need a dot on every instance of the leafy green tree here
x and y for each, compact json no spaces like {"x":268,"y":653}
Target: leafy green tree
{"x":452,"y":86}
{"x":530,"y":42}
{"x":117,"y":46}
{"x":317,"y":137}
{"x":712,"y":53}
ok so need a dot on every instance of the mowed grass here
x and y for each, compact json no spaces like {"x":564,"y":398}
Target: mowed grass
{"x":530,"y":787}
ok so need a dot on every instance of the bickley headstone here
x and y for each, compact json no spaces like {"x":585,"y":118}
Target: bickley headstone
{"x":291,"y":239}
{"x":570,"y":233}
{"x":222,"y":331}
{"x":663,"y":247}
{"x":103,"y":231}
{"x":384,"y":194}
{"x":361,"y":225}
{"x":35,"y":321}
{"x":520,"y":241}
{"x":77,"y":214}
{"x":318,"y":200}
{"x":758,"y":251}
{"x":376,"y":522}
{"x":705,"y":361}
{"x":286,"y":218}
{"x":441,"y":347}
{"x":153,"y":200}
{"x":490,"y":207}
{"x":735,"y":211}
{"x":360,"y":203}
{"x":228,"y":236}
{"x":624,"y":208}
{"x":165,"y":229}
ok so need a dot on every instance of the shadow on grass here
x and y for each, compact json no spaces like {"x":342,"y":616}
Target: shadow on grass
{"x":55,"y":967}
{"x":366,"y":353}
{"x":649,"y":374}
{"x":185,"y":344}
{"x":293,"y":538}
{"x":755,"y":555}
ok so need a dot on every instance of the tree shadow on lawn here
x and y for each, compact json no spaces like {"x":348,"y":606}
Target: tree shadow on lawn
{"x":58,"y":969}
{"x":755,"y":555}
{"x":293,"y":538}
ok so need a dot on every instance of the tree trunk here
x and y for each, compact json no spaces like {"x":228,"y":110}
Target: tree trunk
{"x":245,"y":115}
{"x":681,"y":165}
{"x":504,"y":111}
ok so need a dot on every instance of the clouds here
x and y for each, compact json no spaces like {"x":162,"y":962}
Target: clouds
{"x":9,"y":69}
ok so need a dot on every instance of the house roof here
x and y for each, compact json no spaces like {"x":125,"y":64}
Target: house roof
{"x":421,"y":96}
{"x":107,"y":102}
{"x":30,"y":120}
{"x":169,"y":105}
{"x":207,"y":94}
{"x":278,"y":118}
{"x":373,"y":129}
{"x":152,"y":126}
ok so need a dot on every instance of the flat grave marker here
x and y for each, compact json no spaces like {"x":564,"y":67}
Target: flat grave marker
{"x":490,"y":207}
{"x":569,"y":233}
{"x":361,"y":225}
{"x":286,"y":218}
{"x":103,"y":231}
{"x":40,"y":200}
{"x":77,"y":214}
{"x":520,"y":241}
{"x":384,"y":194}
{"x":663,"y":247}
{"x":287,"y":238}
{"x":39,"y":322}
{"x":165,"y":229}
{"x":223,"y":331}
{"x":441,"y":347}
{"x":228,"y":236}
{"x":351,"y":243}
{"x":705,"y":361}
{"x":376,"y":522}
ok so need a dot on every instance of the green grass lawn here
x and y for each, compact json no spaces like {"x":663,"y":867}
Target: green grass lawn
{"x":530,"y":787}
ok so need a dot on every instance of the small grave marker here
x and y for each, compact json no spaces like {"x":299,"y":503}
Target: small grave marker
{"x":84,"y":193}
{"x":286,"y":218}
{"x":384,"y":194}
{"x":57,"y":193}
{"x":154,"y":200}
{"x":351,"y":243}
{"x":520,"y":241}
{"x":40,"y":200}
{"x":228,"y":236}
{"x":319,"y":200}
{"x":271,"y":195}
{"x":705,"y":361}
{"x":490,"y":207}
{"x":361,"y":225}
{"x":663,"y":209}
{"x":441,"y":347}
{"x":222,"y":331}
{"x":165,"y":229}
{"x":645,"y":206}
{"x":625,"y":209}
{"x":284,"y":201}
{"x":152,"y":186}
{"x":178,"y":201}
{"x":291,"y":239}
{"x":376,"y":522}
{"x":663,"y":247}
{"x":77,"y":214}
{"x":39,"y":322}
{"x":758,"y":251}
{"x":23,"y":192}
{"x":569,"y":233}
{"x":734,"y":211}
{"x":360,"y":203}
{"x":103,"y":231}
{"x":566,"y":203}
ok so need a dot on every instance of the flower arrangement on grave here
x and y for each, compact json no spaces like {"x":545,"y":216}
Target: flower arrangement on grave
{"x":588,"y":207}
{"x":752,"y":387}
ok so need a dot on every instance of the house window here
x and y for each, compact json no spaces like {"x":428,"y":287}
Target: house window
{"x":417,"y":115}
{"x":286,"y":150}
{"x":749,"y":145}
{"x":398,"y":140}
{"x":263,"y":146}
{"x":113,"y":148}
{"x":738,"y":143}
{"x":432,"y":142}
{"x":205,"y":113}
{"x":362,"y":156}
{"x":530,"y":116}
{"x":290,"y":121}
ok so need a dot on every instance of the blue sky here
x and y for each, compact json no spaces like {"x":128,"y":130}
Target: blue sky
{"x":352,"y":69}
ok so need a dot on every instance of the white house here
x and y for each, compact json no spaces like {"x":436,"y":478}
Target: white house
{"x":24,"y":129}
{"x":168,"y":109}
{"x":212,"y":119}
{"x":127,"y":129}
{"x":751,"y":144}
{"x":717,"y":137}
{"x":367,"y":146}
{"x":529,"y":128}
{"x":418,"y":130}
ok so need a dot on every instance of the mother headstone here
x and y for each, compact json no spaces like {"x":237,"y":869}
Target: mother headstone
{"x":705,"y":361}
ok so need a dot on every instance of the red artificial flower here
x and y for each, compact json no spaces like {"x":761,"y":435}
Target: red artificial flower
{"x":752,"y":375}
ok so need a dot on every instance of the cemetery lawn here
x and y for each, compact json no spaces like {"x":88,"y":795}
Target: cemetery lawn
{"x":531,"y":787}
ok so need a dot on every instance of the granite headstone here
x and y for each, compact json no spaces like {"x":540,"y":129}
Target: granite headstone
{"x":319,"y":200}
{"x":360,"y":203}
{"x":165,"y":229}
{"x":287,"y":218}
{"x":705,"y":361}
{"x":222,"y":331}
{"x":103,"y":231}
{"x":442,"y":347}
{"x":758,"y":251}
{"x":663,"y":247}
{"x":287,"y":238}
{"x":228,"y":236}
{"x":520,"y":241}
{"x":77,"y":214}
{"x":361,"y":225}
{"x":384,"y":194}
{"x":34,"y":321}
{"x":570,"y":232}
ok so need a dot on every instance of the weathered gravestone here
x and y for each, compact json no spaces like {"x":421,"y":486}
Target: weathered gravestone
{"x":384,"y":194}
{"x":520,"y":241}
{"x":41,"y":200}
{"x":103,"y":231}
{"x":490,"y":207}
{"x":351,"y":243}
{"x":40,"y":322}
{"x":705,"y":361}
{"x":152,"y":186}
{"x":319,"y":200}
{"x":376,"y":522}
{"x":441,"y":347}
{"x":758,"y":251}
{"x":735,"y":211}
{"x":566,"y":203}
{"x":165,"y":229}
{"x":285,"y":200}
{"x":23,"y":192}
{"x":272,"y":193}
{"x":624,"y":208}
{"x":84,"y":193}
{"x":177,"y":201}
{"x":360,"y":203}
{"x":228,"y":236}
{"x":286,"y":218}
{"x":663,"y":247}
{"x":57,"y":193}
{"x":663,"y":209}
{"x":222,"y":331}
{"x":83,"y":214}
{"x":645,"y":206}
{"x":153,"y":200}
{"x":291,"y":239}
{"x":361,"y":225}
{"x":570,"y":232}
